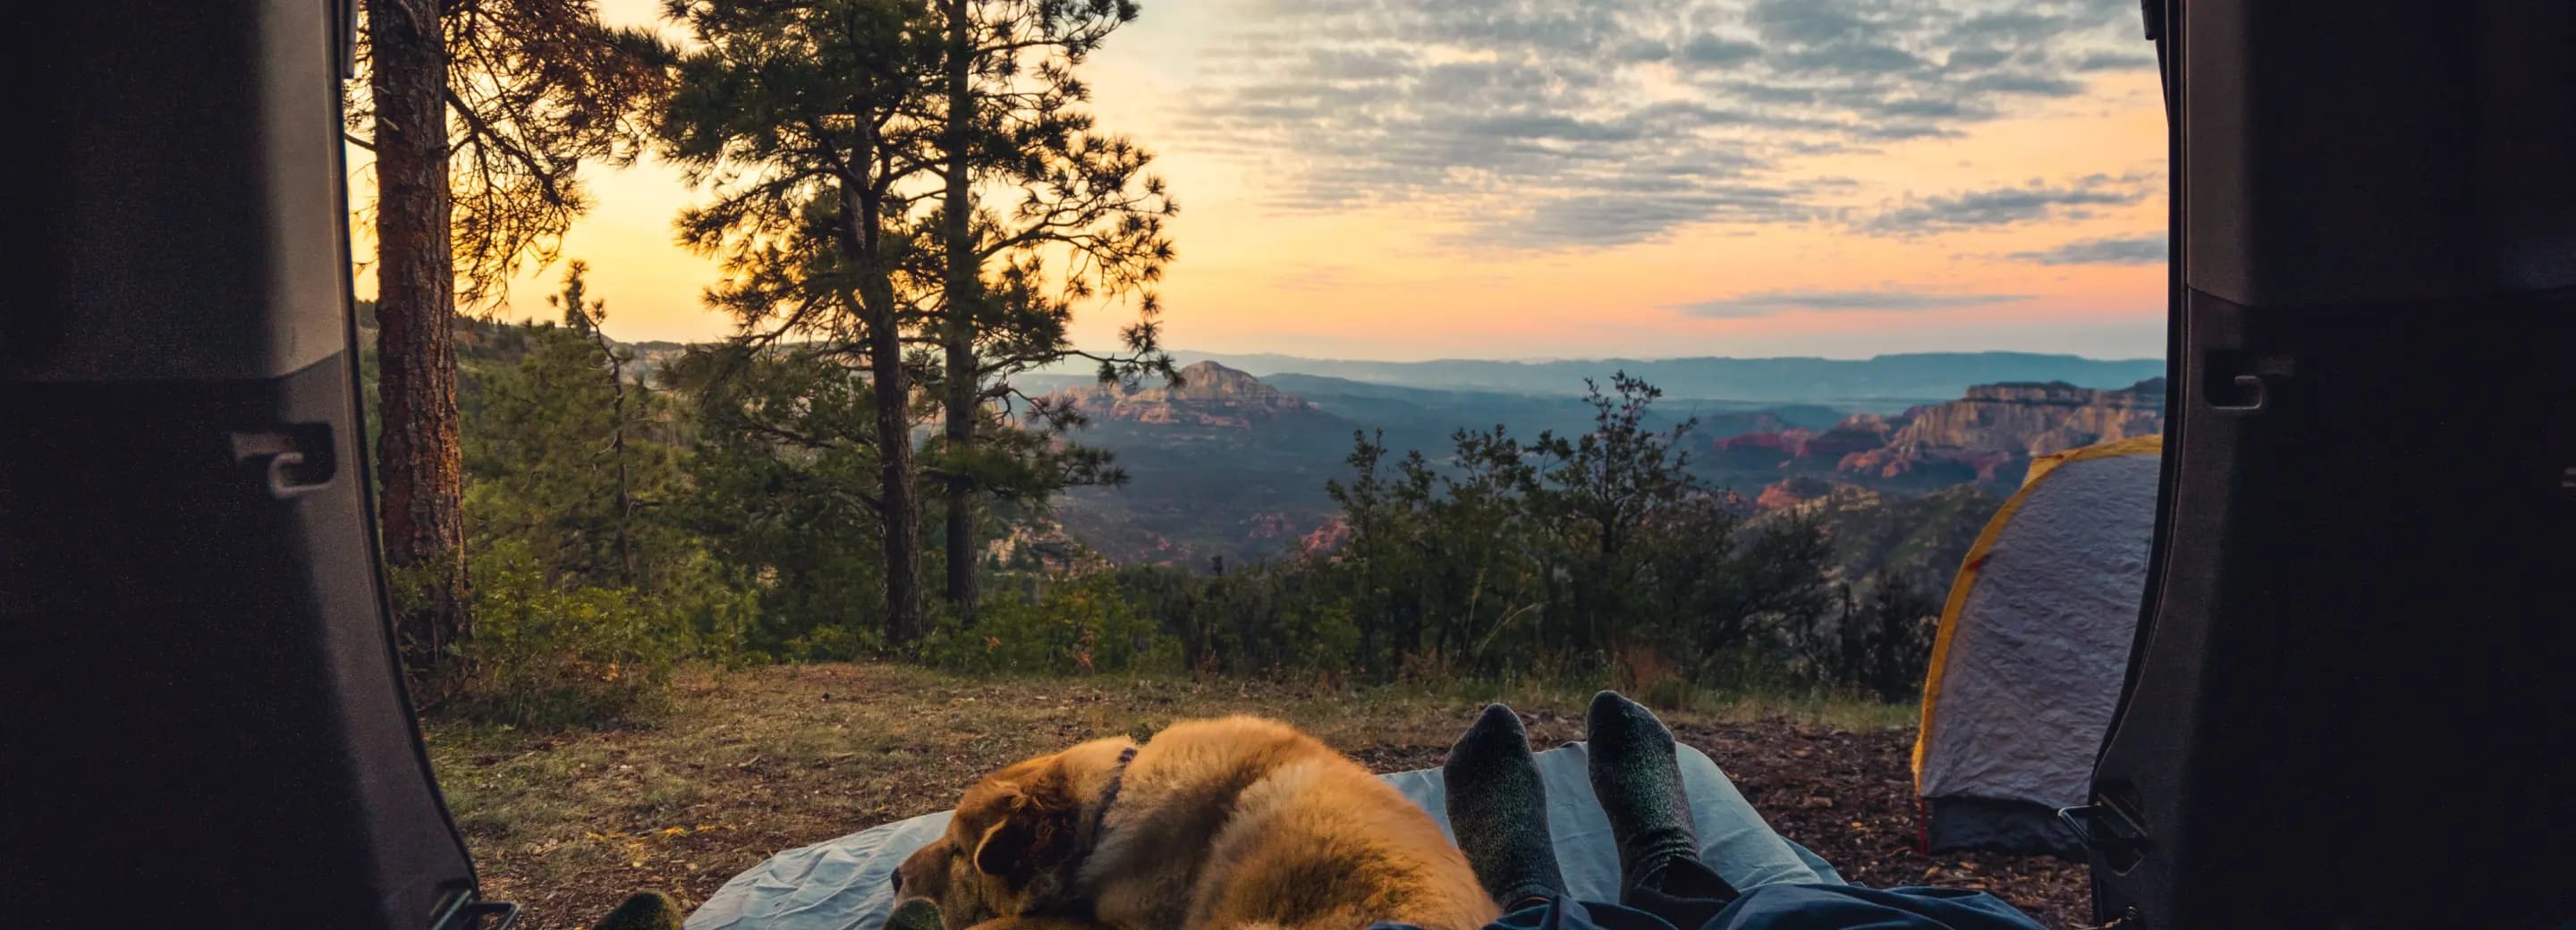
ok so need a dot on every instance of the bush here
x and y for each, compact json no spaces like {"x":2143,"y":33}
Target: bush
{"x":544,"y":656}
{"x":1881,"y":644}
{"x":1079,"y":626}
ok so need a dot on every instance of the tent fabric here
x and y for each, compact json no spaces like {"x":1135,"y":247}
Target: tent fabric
{"x":846,"y":883}
{"x":2033,"y":643}
{"x":2005,"y":826}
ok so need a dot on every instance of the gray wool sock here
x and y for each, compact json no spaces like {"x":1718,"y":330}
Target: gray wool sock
{"x":644,"y":910}
{"x":1639,"y":782}
{"x":1498,"y":807}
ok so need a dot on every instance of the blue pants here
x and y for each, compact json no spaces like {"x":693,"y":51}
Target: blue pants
{"x":1778,"y":907}
{"x":1784,"y":886}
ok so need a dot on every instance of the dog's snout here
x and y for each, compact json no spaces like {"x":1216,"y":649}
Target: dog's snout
{"x":898,"y":881}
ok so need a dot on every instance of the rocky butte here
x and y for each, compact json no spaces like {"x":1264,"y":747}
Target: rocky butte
{"x":1209,"y":395}
{"x":1987,"y":437}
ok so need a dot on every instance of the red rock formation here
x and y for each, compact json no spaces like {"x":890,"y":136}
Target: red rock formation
{"x":2035,"y":419}
{"x":1990,"y":435}
{"x":1270,"y":526}
{"x":1987,"y":437}
{"x":1793,"y":491}
{"x":1210,"y":395}
{"x":1327,"y":538}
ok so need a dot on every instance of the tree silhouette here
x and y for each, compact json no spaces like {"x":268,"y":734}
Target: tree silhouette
{"x":479,"y":113}
{"x":1013,"y":131}
{"x":811,"y":123}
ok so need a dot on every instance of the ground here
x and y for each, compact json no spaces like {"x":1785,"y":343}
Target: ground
{"x":747,"y":763}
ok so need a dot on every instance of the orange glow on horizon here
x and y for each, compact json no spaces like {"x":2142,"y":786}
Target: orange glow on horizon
{"x":1388,"y":282}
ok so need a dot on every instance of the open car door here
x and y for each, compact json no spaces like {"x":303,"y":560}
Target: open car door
{"x":205,"y":724}
{"x":2350,"y":701}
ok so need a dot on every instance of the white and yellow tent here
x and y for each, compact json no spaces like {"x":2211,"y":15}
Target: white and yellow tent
{"x":2032,"y":648}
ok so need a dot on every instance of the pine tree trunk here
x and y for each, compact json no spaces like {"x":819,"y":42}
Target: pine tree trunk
{"x":617,"y":450}
{"x":420,"y":461}
{"x":862,"y":209}
{"x":965,"y":293}
{"x":894,"y":444}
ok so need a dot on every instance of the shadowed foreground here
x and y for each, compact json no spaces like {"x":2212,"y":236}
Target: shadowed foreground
{"x":748,"y":763}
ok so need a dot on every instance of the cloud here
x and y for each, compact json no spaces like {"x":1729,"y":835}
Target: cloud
{"x":2006,"y":206}
{"x":2127,"y":250}
{"x":1769,"y":303}
{"x":1547,"y":124}
{"x":2116,"y":61}
{"x":1715,"y":50}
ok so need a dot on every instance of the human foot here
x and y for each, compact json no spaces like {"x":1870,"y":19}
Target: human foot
{"x":1498,"y":808}
{"x":1638,"y":779}
{"x":644,"y":910}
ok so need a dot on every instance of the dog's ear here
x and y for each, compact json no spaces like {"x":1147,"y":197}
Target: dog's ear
{"x":1034,"y":834}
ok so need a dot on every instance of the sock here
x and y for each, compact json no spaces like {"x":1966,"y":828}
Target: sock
{"x":1639,"y":781}
{"x":1498,"y":808}
{"x":917,"y":914}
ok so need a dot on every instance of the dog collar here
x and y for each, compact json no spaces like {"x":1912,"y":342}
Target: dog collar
{"x":1109,"y":795}
{"x":1083,"y":907}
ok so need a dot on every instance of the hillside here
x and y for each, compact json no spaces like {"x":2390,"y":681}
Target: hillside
{"x":1918,"y":539}
{"x":1222,"y":465}
{"x":1234,"y":466}
{"x":1985,"y":438}
{"x":1885,"y":384}
{"x":1206,"y":395}
{"x":1231,"y":465}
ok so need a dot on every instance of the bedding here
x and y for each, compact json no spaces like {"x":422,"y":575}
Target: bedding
{"x":847,"y":883}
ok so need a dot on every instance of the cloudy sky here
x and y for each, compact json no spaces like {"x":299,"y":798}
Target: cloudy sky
{"x":1405,"y":179}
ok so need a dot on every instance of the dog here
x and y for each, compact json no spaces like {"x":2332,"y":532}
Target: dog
{"x":1211,"y":825}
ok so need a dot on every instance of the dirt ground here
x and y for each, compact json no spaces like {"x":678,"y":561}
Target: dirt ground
{"x":748,"y":763}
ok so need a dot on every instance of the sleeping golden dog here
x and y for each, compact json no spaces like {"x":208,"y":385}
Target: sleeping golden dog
{"x":1211,"y":825}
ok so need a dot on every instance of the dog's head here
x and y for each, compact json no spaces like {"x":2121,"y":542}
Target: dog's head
{"x":1011,"y":846}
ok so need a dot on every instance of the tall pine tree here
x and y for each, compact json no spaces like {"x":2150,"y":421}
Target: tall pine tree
{"x":560,"y":456}
{"x":812,"y":124}
{"x":1013,"y":131}
{"x":479,"y":113}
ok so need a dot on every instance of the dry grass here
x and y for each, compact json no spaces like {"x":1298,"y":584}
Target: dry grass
{"x":748,"y":763}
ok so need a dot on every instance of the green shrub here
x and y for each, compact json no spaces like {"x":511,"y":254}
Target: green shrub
{"x":831,"y":643}
{"x":544,"y":656}
{"x":1079,"y":626}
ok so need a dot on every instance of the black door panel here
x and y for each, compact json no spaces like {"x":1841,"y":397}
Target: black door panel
{"x":204,"y":722}
{"x":2350,"y":703}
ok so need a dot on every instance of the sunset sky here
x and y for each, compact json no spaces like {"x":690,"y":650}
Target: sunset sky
{"x":1409,"y":179}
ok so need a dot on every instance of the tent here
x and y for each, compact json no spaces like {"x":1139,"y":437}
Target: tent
{"x":2032,"y":647}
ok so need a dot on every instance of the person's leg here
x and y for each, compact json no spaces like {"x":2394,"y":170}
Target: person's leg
{"x":1498,"y":809}
{"x":1638,"y":781}
{"x":1562,"y":913}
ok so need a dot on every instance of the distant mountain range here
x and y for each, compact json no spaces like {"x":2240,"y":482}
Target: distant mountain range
{"x":1884,"y":384}
{"x":1232,"y":465}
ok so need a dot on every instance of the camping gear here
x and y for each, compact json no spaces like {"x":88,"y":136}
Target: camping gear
{"x":846,"y":883}
{"x":2027,"y":664}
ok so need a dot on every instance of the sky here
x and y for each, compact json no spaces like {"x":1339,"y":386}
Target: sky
{"x":1414,"y":179}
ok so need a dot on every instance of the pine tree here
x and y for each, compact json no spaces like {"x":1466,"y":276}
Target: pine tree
{"x":785,"y":478}
{"x":1013,"y":129}
{"x":584,"y":317}
{"x":479,"y":113}
{"x":1603,"y":489}
{"x":812,"y":124}
{"x":557,"y":455}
